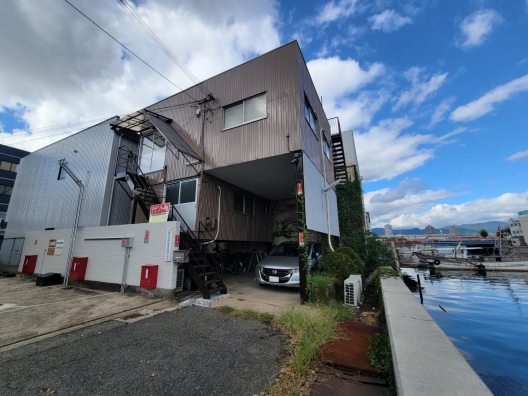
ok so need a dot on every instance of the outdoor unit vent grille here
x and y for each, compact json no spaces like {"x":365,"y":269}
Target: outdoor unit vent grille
{"x":353,"y":290}
{"x":179,"y":280}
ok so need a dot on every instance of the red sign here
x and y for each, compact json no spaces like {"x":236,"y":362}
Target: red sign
{"x":160,"y":208}
{"x":147,"y":236}
{"x":176,"y":240}
{"x":299,"y":188}
{"x":301,"y":239}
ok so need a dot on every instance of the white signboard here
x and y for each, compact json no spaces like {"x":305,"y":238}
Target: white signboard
{"x":168,"y":245}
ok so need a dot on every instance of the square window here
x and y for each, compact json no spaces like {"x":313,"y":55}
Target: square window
{"x":239,"y":203}
{"x":4,"y":165}
{"x":326,"y":147}
{"x":14,"y":167}
{"x":309,"y":114}
{"x":188,"y":191}
{"x":251,"y":109}
{"x":248,"y":205}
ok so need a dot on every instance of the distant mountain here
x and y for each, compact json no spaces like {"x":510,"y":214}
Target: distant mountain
{"x":463,"y":229}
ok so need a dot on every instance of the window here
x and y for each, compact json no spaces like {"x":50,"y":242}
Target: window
{"x":8,"y":166}
{"x":248,"y":110}
{"x":309,"y":114}
{"x":326,"y":147}
{"x":181,"y":193}
{"x":266,"y":207}
{"x":5,"y":190}
{"x":62,"y":172}
{"x":243,"y":204}
{"x":152,"y":153}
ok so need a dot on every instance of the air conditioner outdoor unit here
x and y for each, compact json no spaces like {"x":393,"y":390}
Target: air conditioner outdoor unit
{"x":353,"y":290}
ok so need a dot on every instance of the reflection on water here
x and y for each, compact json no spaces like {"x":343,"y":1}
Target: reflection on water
{"x":487,"y":320}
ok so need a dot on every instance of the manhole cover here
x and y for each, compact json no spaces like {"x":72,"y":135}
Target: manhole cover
{"x":133,"y":316}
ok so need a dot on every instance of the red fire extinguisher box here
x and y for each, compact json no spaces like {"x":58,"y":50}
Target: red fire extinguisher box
{"x":149,"y":276}
{"x":30,"y":262}
{"x":78,"y":268}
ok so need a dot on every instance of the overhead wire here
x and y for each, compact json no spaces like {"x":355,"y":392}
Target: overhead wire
{"x":130,"y":9}
{"x":128,"y":49}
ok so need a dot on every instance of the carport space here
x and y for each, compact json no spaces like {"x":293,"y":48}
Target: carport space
{"x":245,"y":293}
{"x":28,"y":311}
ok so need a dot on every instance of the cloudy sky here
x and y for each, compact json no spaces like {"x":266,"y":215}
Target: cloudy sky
{"x":435,"y":91}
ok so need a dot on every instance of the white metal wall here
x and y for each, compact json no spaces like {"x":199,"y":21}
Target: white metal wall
{"x":349,"y":148}
{"x":41,"y":201}
{"x":315,"y":201}
{"x":106,"y":256}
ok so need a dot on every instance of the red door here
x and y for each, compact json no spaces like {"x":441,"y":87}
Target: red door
{"x":149,"y":276}
{"x":30,"y":262}
{"x":78,"y":268}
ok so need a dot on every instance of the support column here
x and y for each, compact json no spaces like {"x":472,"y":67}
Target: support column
{"x":301,"y":226}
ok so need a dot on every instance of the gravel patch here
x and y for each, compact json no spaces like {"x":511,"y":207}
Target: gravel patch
{"x":191,"y":351}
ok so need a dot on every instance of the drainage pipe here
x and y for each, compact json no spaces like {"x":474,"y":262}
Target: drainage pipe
{"x":218,"y":218}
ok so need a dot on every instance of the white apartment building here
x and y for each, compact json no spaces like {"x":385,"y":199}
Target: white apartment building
{"x":388,"y":230}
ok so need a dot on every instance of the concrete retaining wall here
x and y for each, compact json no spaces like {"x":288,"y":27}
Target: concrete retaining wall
{"x":102,"y":246}
{"x":425,"y":361}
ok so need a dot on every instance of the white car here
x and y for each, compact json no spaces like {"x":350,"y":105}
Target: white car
{"x":281,"y":266}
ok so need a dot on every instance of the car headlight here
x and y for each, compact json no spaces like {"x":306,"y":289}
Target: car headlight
{"x":258,"y":267}
{"x":295,"y":270}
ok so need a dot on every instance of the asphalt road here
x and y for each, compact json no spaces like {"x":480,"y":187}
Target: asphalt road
{"x":191,"y":351}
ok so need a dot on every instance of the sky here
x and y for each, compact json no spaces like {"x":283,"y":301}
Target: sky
{"x":436,"y":91}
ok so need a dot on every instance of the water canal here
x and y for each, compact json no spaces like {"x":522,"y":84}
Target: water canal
{"x":486,"y":319}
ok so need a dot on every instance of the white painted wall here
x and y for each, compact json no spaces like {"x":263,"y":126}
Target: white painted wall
{"x":106,"y":257}
{"x":315,"y":201}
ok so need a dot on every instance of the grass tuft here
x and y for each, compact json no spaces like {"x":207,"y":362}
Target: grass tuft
{"x":247,"y":314}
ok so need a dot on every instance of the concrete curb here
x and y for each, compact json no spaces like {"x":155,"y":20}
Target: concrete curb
{"x":425,"y":361}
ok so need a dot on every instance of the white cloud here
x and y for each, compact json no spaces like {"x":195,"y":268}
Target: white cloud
{"x":411,"y":195}
{"x":388,"y":21}
{"x":60,"y":68}
{"x":440,"y":112}
{"x":421,"y":88}
{"x":338,"y":81}
{"x":519,"y":155}
{"x":474,"y":211}
{"x":384,"y":152}
{"x":486,"y":102}
{"x":477,"y":27}
{"x":336,"y":10}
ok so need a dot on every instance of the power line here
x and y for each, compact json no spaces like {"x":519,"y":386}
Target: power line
{"x":125,"y":47}
{"x":142,"y":24}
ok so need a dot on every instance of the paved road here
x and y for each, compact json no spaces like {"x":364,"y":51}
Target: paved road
{"x":191,"y":351}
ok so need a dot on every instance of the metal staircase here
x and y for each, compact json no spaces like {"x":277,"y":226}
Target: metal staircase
{"x":204,"y":268}
{"x":338,"y":156}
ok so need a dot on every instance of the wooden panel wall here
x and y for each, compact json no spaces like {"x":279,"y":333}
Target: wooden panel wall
{"x":233,"y":226}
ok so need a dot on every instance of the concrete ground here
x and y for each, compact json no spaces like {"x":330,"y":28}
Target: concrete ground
{"x":189,"y":351}
{"x":245,"y":293}
{"x":29,"y":313}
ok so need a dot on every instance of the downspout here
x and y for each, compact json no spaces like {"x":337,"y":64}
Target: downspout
{"x":326,"y":192}
{"x":218,"y":224}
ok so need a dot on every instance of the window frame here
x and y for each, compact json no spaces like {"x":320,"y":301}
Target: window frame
{"x":155,"y":135}
{"x":242,"y":102}
{"x":326,"y":147}
{"x":62,"y":172}
{"x":11,"y":165}
{"x":244,"y":204}
{"x":308,"y":106}
{"x":179,"y":183}
{"x":266,"y":208}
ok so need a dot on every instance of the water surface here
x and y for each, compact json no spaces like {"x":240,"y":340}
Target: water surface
{"x":487,"y":320}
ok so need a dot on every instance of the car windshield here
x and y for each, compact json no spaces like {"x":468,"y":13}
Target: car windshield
{"x":286,"y":249}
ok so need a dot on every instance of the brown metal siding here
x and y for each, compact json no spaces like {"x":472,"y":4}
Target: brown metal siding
{"x":233,"y":226}
{"x":311,"y":143}
{"x":275,"y":73}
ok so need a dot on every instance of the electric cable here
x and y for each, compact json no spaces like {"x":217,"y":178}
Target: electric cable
{"x":129,"y":50}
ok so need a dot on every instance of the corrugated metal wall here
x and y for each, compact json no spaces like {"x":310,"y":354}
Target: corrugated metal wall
{"x":275,"y":73}
{"x":311,"y":143}
{"x":41,"y":201}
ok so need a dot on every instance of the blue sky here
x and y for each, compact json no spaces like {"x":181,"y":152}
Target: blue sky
{"x":435,"y":91}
